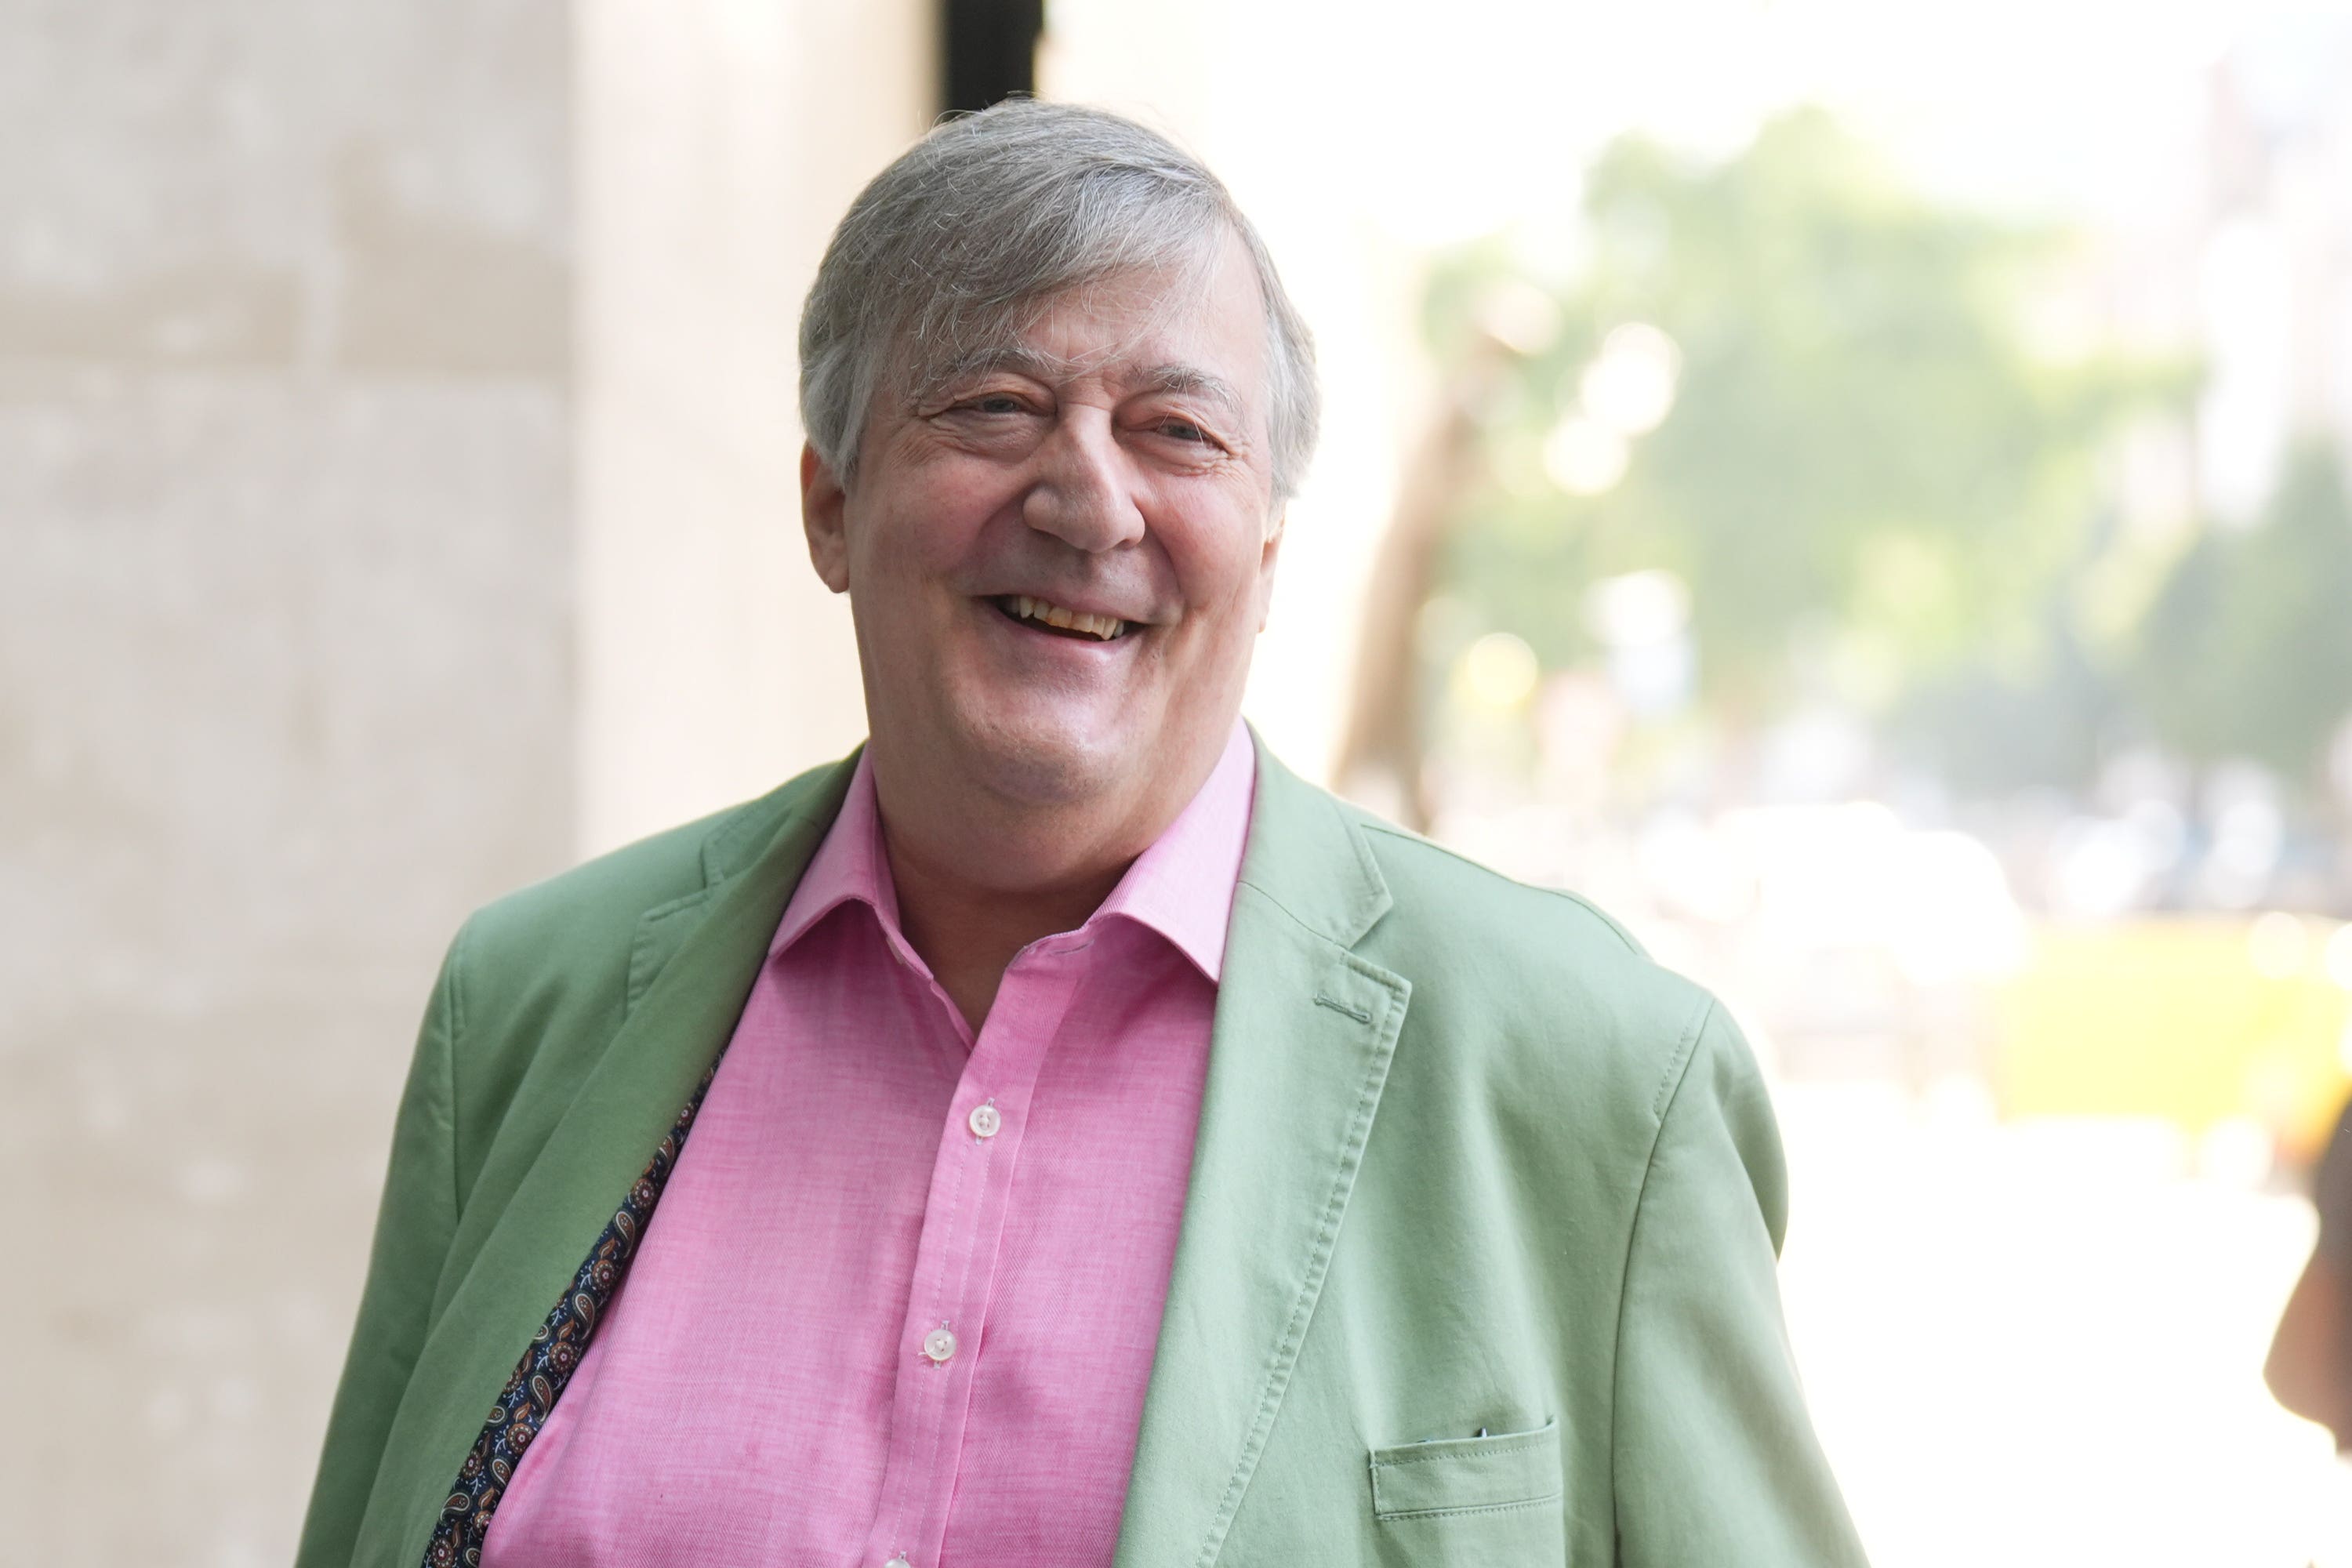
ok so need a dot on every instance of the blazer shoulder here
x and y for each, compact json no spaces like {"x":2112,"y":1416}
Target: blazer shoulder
{"x":1532,"y":970}
{"x":592,"y":911}
{"x":1447,"y":898}
{"x":609,"y":892}
{"x":1432,"y":869}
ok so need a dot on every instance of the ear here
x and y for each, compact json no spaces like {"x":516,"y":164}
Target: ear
{"x":823,"y":507}
{"x":1266,"y":562}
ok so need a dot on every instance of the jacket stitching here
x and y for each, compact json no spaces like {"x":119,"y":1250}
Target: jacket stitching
{"x":453,"y":1026}
{"x":1677,"y":1071}
{"x":1318,"y":1258}
{"x":1465,"y":1456}
{"x":643,"y":971}
{"x":1284,"y":910}
{"x":1677,"y":1065}
{"x":1550,"y":1497}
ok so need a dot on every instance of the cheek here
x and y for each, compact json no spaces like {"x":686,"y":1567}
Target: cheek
{"x":922,"y":534}
{"x":1222,"y":568}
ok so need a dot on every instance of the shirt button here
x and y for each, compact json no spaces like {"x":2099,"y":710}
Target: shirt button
{"x":938,"y":1344}
{"x":984,"y":1120}
{"x":898,"y":1562}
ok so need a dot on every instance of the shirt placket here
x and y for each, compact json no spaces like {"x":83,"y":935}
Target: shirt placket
{"x":955,"y":1266}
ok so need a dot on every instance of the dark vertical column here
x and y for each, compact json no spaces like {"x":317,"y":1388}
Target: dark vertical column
{"x":988,"y":50}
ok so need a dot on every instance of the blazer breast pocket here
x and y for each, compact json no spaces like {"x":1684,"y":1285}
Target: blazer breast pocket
{"x":1491,"y":1502}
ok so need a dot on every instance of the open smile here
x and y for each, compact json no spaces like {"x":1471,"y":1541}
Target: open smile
{"x":1043,"y":616}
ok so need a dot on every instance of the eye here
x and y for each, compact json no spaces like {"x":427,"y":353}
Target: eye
{"x":1182,"y":430}
{"x":998,"y":402}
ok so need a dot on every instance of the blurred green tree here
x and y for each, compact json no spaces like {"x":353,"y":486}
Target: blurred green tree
{"x":1866,"y":470}
{"x":2247,"y":650}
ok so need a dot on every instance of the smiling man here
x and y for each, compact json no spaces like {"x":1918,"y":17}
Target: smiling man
{"x":1057,"y":1135}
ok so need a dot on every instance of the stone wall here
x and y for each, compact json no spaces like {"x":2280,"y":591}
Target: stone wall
{"x":286,"y":649}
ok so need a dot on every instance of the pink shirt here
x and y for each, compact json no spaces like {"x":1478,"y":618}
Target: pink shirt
{"x":901,"y":1294}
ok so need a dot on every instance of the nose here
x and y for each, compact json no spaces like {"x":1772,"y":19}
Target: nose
{"x":1081,"y":494}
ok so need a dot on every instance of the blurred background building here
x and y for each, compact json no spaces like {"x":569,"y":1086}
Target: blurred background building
{"x":1858,"y":488}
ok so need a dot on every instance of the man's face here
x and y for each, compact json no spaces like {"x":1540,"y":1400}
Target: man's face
{"x":1106,"y":473}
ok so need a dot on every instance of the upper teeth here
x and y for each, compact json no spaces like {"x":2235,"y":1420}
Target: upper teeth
{"x":1103,"y":627}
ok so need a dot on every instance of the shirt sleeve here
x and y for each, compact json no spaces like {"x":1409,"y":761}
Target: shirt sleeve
{"x":1716,"y":1460}
{"x":414,"y":1223}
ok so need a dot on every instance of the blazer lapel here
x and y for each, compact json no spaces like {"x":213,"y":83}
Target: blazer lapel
{"x":663,"y":930}
{"x":1299,"y":1054}
{"x":691,"y":967}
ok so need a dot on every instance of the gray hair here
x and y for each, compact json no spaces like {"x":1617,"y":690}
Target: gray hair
{"x":992,"y":213}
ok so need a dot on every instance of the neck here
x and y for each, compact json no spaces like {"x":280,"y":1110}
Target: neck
{"x":967,"y":931}
{"x":980,"y":876}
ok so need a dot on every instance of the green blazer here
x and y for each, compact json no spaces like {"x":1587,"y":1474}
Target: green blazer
{"x":1468,"y":1161}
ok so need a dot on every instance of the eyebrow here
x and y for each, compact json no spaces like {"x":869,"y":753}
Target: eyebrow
{"x":1194,"y":382}
{"x":1173,"y":377}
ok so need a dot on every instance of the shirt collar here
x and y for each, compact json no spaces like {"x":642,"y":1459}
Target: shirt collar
{"x":849,"y":866}
{"x":1181,"y":886}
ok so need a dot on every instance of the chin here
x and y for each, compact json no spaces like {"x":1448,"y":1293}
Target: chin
{"x":1045,"y":764}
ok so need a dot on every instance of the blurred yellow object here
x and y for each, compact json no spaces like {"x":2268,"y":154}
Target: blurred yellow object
{"x":1499,"y":672}
{"x":2192,"y":1020}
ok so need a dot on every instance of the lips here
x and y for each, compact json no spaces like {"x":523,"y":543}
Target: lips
{"x":1047,"y":616}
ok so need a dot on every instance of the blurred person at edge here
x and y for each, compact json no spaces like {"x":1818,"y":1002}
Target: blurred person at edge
{"x":2310,"y":1365}
{"x":1075,"y":1139}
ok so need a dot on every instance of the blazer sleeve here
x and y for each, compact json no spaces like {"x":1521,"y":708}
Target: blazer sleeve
{"x":1715,"y":1461}
{"x":414,"y":1223}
